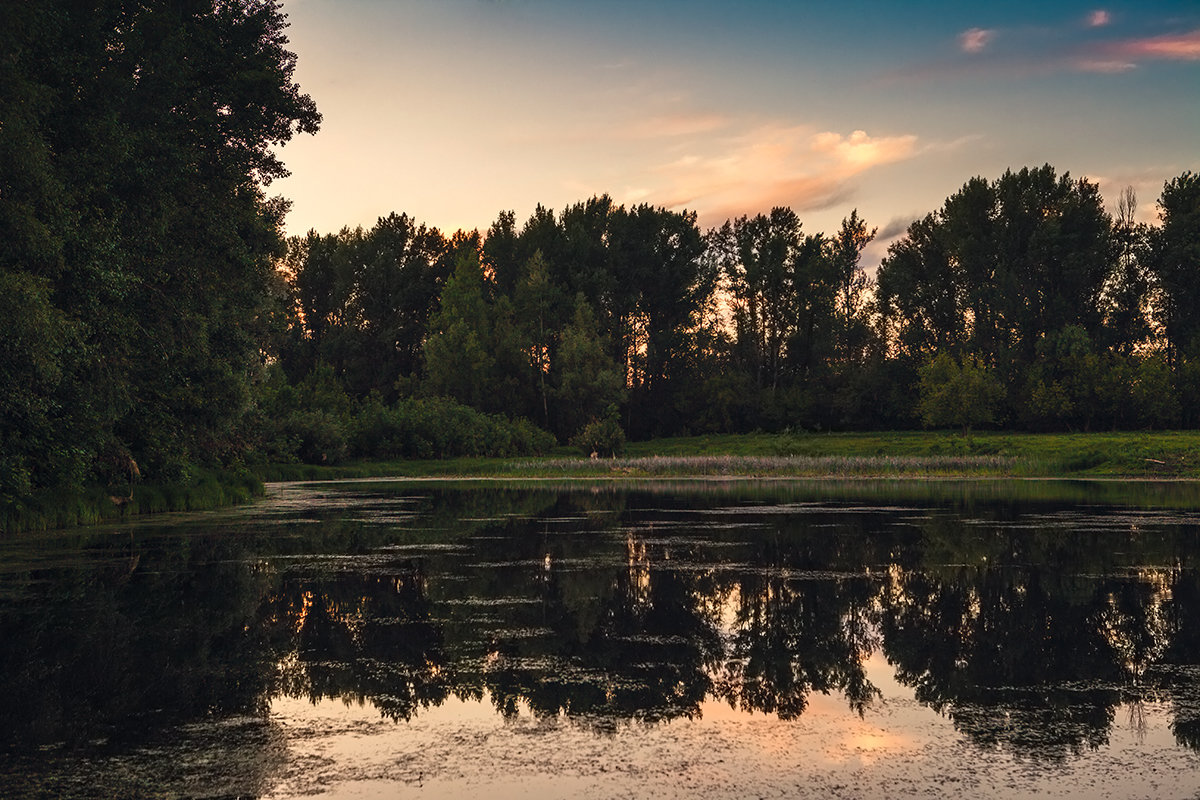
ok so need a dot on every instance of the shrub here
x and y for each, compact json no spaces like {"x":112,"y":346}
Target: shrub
{"x":318,"y":437}
{"x":602,"y":436}
{"x":962,"y":394}
{"x":440,"y":428}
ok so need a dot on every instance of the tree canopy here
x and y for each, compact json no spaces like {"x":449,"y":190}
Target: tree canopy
{"x":137,"y":143}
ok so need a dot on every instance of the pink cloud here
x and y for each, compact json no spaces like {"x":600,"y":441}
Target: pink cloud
{"x":1107,"y":57}
{"x":1170,"y":47}
{"x":975,"y":40}
{"x":1099,"y":18}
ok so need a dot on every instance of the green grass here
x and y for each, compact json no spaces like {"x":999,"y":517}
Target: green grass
{"x":1171,"y":454}
{"x":1123,"y":454}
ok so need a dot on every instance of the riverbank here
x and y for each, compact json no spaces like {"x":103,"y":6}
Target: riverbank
{"x":902,"y":455}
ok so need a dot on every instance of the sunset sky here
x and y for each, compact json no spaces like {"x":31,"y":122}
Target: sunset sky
{"x":453,"y":110}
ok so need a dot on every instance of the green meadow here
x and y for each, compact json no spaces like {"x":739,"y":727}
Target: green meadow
{"x":914,"y":454}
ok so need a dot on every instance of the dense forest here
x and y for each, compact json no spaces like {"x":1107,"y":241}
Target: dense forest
{"x":154,"y":313}
{"x":1021,"y":302}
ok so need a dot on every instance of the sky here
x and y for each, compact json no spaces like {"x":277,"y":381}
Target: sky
{"x":452,"y":111}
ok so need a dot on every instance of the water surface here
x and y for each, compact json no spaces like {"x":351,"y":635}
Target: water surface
{"x":676,"y":639}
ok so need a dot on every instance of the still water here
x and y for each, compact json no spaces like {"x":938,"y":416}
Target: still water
{"x":672,"y":639}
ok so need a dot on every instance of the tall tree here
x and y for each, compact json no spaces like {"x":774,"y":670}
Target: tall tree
{"x":762,"y":285}
{"x":1175,"y":262}
{"x":147,"y":133}
{"x":1126,"y":295}
{"x":399,"y":270}
{"x":458,"y":362}
{"x":660,"y":284}
{"x":537,"y":301}
{"x":920,"y":291}
{"x":850,"y":310}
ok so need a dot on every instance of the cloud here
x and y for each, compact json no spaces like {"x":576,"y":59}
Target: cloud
{"x":774,"y":164}
{"x":859,"y":150}
{"x":1123,"y":55}
{"x":896,"y":227}
{"x":1033,"y":53}
{"x":1099,"y":18}
{"x":1103,"y":66}
{"x":1169,"y":47}
{"x":975,"y":40}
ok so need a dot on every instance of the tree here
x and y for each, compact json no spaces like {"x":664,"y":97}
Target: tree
{"x":845,"y":257}
{"x":1126,"y":295}
{"x":458,"y":363}
{"x":589,"y":381}
{"x":537,"y":301}
{"x":920,"y":291}
{"x":661,"y":284}
{"x":957,"y":393}
{"x":1000,"y":267}
{"x":1175,"y":263}
{"x":761,"y":284}
{"x":136,"y":145}
{"x":1064,"y":381}
{"x":399,"y":269}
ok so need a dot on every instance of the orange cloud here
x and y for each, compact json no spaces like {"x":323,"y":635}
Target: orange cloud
{"x":860,"y":151}
{"x":775,"y":165}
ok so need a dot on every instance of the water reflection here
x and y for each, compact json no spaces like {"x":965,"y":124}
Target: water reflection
{"x":1031,"y":628}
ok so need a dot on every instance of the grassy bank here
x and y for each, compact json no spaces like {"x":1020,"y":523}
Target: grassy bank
{"x":207,"y":489}
{"x":1115,"y":454}
{"x":909,"y":454}
{"x":1171,"y":454}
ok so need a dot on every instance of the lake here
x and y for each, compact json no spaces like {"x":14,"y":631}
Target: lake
{"x":378,"y":639}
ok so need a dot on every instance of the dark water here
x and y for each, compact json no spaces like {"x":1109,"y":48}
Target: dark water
{"x":675,"y":639}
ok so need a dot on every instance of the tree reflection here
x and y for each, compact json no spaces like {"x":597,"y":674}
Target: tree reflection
{"x":359,"y":636}
{"x":127,"y":637}
{"x":606,"y":606}
{"x":791,"y":638}
{"x":635,"y":645}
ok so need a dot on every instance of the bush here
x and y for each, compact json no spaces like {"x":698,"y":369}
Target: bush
{"x":317,"y":437}
{"x":957,"y":393}
{"x":440,"y":428}
{"x":601,"y":436}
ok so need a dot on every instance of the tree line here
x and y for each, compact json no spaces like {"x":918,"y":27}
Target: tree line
{"x":1021,"y":302}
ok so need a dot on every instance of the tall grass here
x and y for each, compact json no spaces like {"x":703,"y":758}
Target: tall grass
{"x":208,"y":489}
{"x":894,"y":454}
{"x":834,"y":466}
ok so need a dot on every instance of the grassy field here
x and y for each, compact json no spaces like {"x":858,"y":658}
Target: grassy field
{"x":1171,"y":454}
